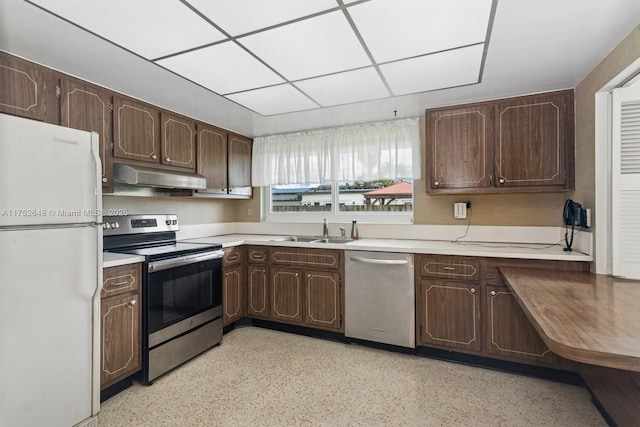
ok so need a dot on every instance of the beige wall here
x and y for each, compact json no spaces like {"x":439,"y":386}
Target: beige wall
{"x":189,"y":211}
{"x":620,"y":58}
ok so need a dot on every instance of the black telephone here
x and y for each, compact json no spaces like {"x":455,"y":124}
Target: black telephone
{"x":573,"y":215}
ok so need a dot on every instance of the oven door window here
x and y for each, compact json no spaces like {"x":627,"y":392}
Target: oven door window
{"x":178,"y":293}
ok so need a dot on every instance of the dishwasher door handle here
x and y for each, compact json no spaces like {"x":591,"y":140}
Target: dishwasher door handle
{"x":379,"y":261}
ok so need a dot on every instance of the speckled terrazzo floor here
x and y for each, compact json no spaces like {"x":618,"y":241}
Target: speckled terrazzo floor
{"x":260,"y":377}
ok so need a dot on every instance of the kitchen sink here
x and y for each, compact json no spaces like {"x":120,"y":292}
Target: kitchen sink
{"x":313,"y":239}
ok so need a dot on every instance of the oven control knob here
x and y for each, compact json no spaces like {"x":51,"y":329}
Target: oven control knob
{"x":174,"y":222}
{"x":115,"y":225}
{"x":106,"y":226}
{"x":168,"y":222}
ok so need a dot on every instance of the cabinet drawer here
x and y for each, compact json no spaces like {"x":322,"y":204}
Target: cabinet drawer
{"x":232,"y":256}
{"x":461,"y":268}
{"x":120,"y":279}
{"x":306,"y":258}
{"x":257,"y":254}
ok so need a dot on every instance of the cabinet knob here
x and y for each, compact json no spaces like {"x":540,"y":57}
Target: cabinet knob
{"x":308,"y":275}
{"x":297,"y":274}
{"x":436,"y":183}
{"x":105,"y":179}
{"x":167,"y":159}
{"x":132,"y":303}
{"x":493,"y":293}
{"x":472,"y":290}
{"x":154,"y":157}
{"x":264,"y":271}
{"x":501,"y":181}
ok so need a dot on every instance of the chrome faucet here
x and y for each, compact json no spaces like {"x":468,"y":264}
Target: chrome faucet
{"x":342,"y":232}
{"x":325,"y":229}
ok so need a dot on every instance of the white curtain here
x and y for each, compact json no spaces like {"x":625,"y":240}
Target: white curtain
{"x":388,"y":150}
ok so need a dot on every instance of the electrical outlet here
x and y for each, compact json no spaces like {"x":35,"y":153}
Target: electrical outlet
{"x":460,"y":210}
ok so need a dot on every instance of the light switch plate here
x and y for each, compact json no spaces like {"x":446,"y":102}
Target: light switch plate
{"x":460,"y":210}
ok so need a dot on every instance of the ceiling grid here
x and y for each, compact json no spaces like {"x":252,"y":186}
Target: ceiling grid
{"x":284,"y":56}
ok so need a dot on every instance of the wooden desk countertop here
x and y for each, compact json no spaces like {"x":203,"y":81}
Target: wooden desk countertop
{"x":581,"y":316}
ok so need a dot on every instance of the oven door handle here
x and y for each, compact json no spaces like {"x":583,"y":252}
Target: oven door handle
{"x":166,"y":264}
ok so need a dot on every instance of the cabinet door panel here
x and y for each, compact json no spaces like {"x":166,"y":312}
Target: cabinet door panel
{"x":239,"y":162}
{"x":22,"y":88}
{"x":531,"y":135}
{"x":322,"y":292}
{"x":286,"y":295}
{"x":87,"y":107}
{"x":120,"y":338}
{"x":232,"y":295}
{"x":212,"y":157}
{"x":258,"y":291}
{"x":509,"y":331}
{"x":178,"y":140}
{"x":135,"y":131}
{"x":460,"y":143}
{"x":450,"y":314}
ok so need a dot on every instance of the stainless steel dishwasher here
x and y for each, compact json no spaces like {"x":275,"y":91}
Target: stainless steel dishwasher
{"x":380,"y":297}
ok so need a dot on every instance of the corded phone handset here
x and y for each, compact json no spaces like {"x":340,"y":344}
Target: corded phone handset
{"x":573,"y":215}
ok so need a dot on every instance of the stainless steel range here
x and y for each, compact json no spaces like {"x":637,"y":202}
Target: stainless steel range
{"x":181,"y":289}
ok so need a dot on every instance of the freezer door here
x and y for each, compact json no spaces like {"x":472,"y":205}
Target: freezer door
{"x":48,"y":283}
{"x":48,"y":174}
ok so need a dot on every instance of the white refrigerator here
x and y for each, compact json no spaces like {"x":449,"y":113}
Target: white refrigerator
{"x":50,"y":274}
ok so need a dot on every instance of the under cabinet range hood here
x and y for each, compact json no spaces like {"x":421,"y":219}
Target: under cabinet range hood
{"x":150,"y":177}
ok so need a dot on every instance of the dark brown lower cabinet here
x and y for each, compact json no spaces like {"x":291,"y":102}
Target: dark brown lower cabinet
{"x":120,"y":345}
{"x":286,"y":295}
{"x":449,"y":314}
{"x":233,"y":294}
{"x":258,"y":291}
{"x":508,"y":330}
{"x":322,"y":299}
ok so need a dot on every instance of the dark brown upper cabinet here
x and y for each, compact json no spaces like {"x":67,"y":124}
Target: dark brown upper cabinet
{"x":88,"y":107}
{"x":461,"y":147}
{"x":521,"y":144}
{"x":178,"y":139}
{"x":27,"y":89}
{"x":135,"y":131}
{"x":224,"y":159}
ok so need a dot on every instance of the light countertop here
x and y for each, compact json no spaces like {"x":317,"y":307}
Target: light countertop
{"x":111,"y":259}
{"x":483,"y":249}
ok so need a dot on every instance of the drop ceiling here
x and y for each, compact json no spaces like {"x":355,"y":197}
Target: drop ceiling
{"x":260,"y":67}
{"x":276,"y":57}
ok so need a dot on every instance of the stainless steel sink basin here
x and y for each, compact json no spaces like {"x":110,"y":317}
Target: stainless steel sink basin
{"x":334,"y":240}
{"x":313,"y":239}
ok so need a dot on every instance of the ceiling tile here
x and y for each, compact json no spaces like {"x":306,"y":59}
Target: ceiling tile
{"x":344,"y":88}
{"x":243,"y":16}
{"x":417,"y":27}
{"x":274,"y":100}
{"x":147,"y":27}
{"x":322,"y":45}
{"x":223,"y":68}
{"x":437,"y":71}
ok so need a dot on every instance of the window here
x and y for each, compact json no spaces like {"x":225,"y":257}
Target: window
{"x":366,"y":201}
{"x":362,"y":172}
